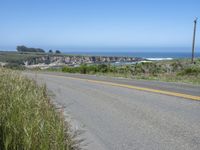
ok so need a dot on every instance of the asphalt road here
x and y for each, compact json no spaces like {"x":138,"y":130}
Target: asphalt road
{"x":119,"y":118}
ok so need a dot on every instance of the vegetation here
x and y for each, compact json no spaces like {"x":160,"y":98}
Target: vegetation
{"x":50,"y":51}
{"x":28,"y":120}
{"x":180,"y":70}
{"x":58,"y":52}
{"x":173,"y":71}
{"x":16,"y":60}
{"x":26,"y":49}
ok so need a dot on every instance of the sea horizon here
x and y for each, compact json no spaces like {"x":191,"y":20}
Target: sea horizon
{"x":149,"y":55}
{"x":142,"y":52}
{"x":155,"y":53}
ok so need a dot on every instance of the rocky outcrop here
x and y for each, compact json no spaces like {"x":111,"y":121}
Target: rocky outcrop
{"x":77,"y":60}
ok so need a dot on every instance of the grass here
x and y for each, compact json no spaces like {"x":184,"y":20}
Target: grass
{"x":28,"y":120}
{"x":180,"y":70}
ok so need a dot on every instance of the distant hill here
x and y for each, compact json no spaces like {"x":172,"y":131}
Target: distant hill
{"x":26,"y":49}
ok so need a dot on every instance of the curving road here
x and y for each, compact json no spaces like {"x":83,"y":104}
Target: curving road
{"x":116,"y":117}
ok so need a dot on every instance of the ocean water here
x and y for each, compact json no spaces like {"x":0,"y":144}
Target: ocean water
{"x":147,"y":55}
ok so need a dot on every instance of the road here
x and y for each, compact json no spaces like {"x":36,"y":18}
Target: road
{"x":117,"y":117}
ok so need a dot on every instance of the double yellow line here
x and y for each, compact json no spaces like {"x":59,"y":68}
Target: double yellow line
{"x":187,"y":96}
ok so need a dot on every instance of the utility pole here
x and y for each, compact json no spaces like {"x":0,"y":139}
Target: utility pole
{"x":194,"y":36}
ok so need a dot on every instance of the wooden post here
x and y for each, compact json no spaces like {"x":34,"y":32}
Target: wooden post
{"x":193,"y":42}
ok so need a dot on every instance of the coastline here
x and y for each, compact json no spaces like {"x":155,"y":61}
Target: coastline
{"x":145,"y":55}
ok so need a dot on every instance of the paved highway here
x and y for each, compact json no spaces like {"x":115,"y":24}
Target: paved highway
{"x":118,"y":117}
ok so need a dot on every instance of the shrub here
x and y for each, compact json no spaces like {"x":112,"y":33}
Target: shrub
{"x":14,"y":66}
{"x":83,"y":69}
{"x":147,"y":68}
{"x":102,"y":68}
{"x":65,"y":69}
{"x":190,"y":71}
{"x":176,"y":66}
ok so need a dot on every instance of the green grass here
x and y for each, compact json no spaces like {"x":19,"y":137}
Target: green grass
{"x":180,"y":70}
{"x":28,"y":120}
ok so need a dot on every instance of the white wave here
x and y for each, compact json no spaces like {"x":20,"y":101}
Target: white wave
{"x":157,"y":59}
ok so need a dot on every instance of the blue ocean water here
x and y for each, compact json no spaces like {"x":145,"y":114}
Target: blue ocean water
{"x":172,"y":55}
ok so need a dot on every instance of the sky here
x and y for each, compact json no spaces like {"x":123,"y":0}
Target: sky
{"x":75,"y":25}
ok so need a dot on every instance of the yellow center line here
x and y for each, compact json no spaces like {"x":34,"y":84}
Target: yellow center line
{"x":187,"y":96}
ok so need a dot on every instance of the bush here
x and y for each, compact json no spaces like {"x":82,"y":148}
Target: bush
{"x":14,"y":66}
{"x":83,"y":69}
{"x":66,"y":69}
{"x":176,"y":66}
{"x":190,"y":71}
{"x":102,"y":68}
{"x":147,"y":68}
{"x":27,"y":118}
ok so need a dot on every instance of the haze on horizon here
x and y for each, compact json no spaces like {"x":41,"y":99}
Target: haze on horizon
{"x":98,"y":24}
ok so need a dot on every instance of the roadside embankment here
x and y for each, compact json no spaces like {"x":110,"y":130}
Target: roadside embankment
{"x":179,"y":70}
{"x":28,"y":120}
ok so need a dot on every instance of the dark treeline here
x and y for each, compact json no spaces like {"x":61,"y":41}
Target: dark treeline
{"x":23,"y":48}
{"x":57,"y":51}
{"x":26,"y":49}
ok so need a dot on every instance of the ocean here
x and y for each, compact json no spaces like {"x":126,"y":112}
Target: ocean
{"x":146,"y":55}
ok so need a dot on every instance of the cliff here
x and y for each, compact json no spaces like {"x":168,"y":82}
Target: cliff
{"x":48,"y":60}
{"x":77,"y":60}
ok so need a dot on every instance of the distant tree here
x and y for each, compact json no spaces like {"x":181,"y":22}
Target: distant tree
{"x":50,"y":51}
{"x":26,"y":49}
{"x":21,"y":48}
{"x":58,"y":52}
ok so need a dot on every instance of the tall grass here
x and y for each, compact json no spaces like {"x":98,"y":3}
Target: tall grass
{"x":28,"y":121}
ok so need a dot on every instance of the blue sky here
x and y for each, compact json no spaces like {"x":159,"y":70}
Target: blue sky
{"x":98,"y":24}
